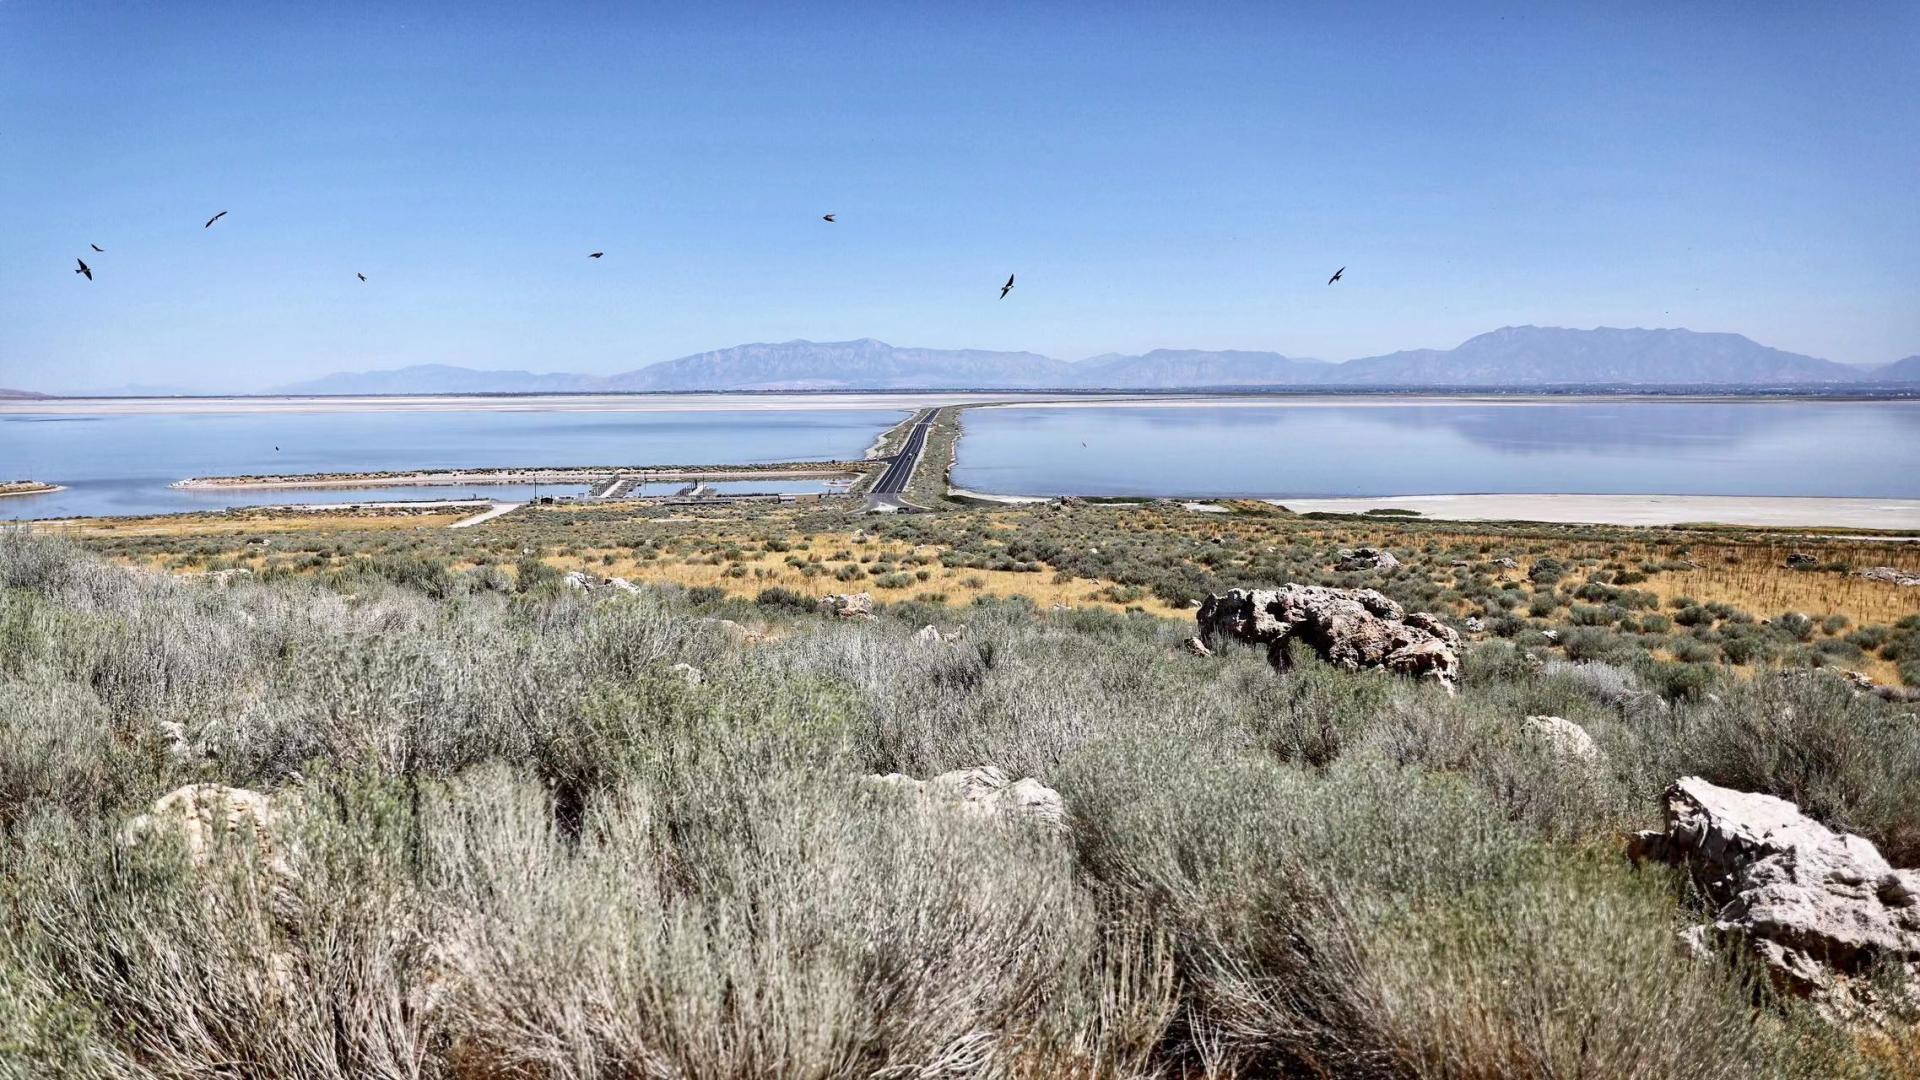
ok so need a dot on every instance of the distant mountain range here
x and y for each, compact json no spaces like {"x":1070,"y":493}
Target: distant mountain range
{"x":1513,"y":356}
{"x":6,"y":393}
{"x":1907,"y":370}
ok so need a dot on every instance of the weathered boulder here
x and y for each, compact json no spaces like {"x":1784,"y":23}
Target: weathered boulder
{"x":1366,"y":558}
{"x":204,"y":816}
{"x":172,"y":735}
{"x":1475,"y":625}
{"x":1800,"y":560}
{"x":927,"y":635}
{"x":1889,"y":575}
{"x":1197,"y":647}
{"x":689,"y":674}
{"x":1820,"y":910}
{"x":578,"y":580}
{"x":1507,"y":562}
{"x":985,"y":792}
{"x":846,"y":606}
{"x":1351,"y":628}
{"x":1563,"y":738}
{"x":743,"y":635}
{"x":620,"y":584}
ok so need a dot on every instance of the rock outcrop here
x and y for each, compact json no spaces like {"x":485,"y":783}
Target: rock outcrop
{"x":1800,"y":560}
{"x":1351,"y":628}
{"x":1889,"y":575}
{"x":1563,"y":738}
{"x":1366,"y":558}
{"x":985,"y":792}
{"x":1819,"y":910}
{"x":846,"y":606}
{"x":205,"y":816}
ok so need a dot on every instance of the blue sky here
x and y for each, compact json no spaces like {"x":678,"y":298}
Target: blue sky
{"x":1158,"y":175}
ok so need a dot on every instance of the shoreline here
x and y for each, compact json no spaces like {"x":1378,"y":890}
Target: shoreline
{"x":905,"y":400}
{"x":28,"y":487}
{"x":1563,"y":508}
{"x":1793,"y":511}
{"x":564,"y":475}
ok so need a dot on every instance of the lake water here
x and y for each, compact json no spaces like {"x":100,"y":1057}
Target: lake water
{"x":114,"y":463}
{"x":122,"y":463}
{"x":1307,"y":450}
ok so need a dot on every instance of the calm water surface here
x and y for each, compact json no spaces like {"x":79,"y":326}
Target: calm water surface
{"x":1861,"y":449}
{"x":122,"y":464}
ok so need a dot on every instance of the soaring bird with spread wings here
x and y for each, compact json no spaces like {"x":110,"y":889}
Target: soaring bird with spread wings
{"x":213,"y":219}
{"x":826,"y":217}
{"x":1336,"y":275}
{"x":84,"y":269}
{"x":1007,"y":288}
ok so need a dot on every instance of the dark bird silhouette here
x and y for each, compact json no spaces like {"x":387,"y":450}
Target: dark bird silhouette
{"x":98,"y":248}
{"x":359,"y":275}
{"x":596,"y":254}
{"x":84,"y":269}
{"x":1336,"y":275}
{"x":826,"y":217}
{"x":213,"y":219}
{"x":1007,"y":288}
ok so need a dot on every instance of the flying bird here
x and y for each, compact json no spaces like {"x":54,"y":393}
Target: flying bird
{"x":213,"y":219}
{"x":826,"y":217}
{"x":98,"y":248}
{"x":1007,"y":288}
{"x":596,"y":254}
{"x":84,"y":269}
{"x":1336,"y":275}
{"x":360,"y":275}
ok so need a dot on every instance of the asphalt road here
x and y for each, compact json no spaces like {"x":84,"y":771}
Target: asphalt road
{"x":894,"y":480}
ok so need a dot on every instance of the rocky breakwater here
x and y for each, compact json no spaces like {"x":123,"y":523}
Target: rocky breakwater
{"x":1351,"y":628}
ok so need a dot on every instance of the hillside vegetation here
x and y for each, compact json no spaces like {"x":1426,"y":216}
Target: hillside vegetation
{"x":513,"y":837}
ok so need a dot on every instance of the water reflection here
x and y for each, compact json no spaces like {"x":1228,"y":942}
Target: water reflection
{"x":1627,"y":447}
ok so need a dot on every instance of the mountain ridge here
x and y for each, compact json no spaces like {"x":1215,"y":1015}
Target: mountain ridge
{"x":1509,"y":356}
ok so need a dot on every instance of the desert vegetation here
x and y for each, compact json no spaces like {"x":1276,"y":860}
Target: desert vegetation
{"x":520,"y":829}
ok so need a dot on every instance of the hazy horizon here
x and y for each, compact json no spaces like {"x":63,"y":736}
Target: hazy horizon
{"x":1156,"y":181}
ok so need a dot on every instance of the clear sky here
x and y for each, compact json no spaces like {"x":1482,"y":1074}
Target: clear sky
{"x":1158,"y":175}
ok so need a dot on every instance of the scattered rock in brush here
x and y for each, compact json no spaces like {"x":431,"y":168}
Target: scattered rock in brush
{"x":1197,"y":647}
{"x":928,"y":635}
{"x":1563,"y":738}
{"x":1822,"y":912}
{"x":1890,"y":576}
{"x":579,"y":581}
{"x":1552,"y":636}
{"x":1474,"y":625}
{"x":622,"y":585}
{"x":846,"y":605}
{"x":1506,"y":562}
{"x":1350,"y":628}
{"x":734,"y":630}
{"x":985,"y":792}
{"x":1800,"y":560}
{"x":1860,"y":681}
{"x":1366,"y":558}
{"x":211,"y":819}
{"x":689,"y":674}
{"x":220,"y":575}
{"x":173,"y":738}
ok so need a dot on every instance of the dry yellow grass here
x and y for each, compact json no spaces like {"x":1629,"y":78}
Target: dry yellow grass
{"x":769,"y":569}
